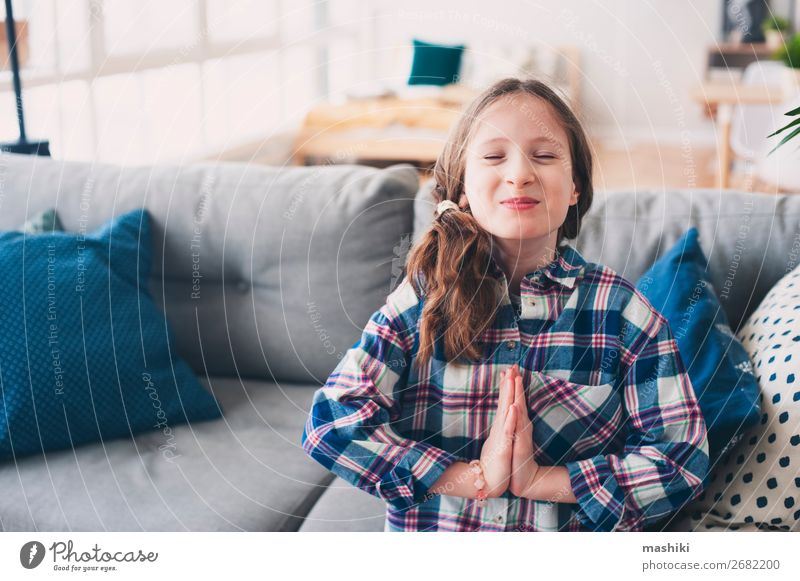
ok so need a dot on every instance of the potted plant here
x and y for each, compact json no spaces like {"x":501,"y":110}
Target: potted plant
{"x":794,"y":125}
{"x":789,"y":53}
{"x":775,"y":30}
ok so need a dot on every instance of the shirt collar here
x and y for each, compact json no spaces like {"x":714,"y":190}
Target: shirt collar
{"x":565,"y":268}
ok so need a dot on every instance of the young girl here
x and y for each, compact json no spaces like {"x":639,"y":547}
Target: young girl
{"x":507,"y":384}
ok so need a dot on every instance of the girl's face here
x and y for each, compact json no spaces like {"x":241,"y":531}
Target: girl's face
{"x":519,"y":150}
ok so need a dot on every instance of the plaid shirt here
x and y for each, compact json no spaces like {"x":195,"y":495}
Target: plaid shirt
{"x":607,"y":392}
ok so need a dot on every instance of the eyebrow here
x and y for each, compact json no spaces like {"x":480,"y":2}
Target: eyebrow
{"x":534,"y":140}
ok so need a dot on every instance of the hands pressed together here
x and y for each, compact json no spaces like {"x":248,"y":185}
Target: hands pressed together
{"x":507,"y":454}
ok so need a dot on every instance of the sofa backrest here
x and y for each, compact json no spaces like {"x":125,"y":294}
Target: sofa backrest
{"x":262,"y":272}
{"x":751,"y":239}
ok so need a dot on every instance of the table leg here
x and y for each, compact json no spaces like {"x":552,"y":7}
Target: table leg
{"x":724,"y":115}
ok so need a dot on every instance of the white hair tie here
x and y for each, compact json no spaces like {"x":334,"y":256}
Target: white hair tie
{"x":445,"y":205}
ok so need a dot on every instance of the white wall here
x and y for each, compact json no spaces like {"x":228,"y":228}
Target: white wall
{"x":639,"y":58}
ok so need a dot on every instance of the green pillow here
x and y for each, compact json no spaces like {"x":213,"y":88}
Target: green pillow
{"x":435,"y":64}
{"x":44,"y":221}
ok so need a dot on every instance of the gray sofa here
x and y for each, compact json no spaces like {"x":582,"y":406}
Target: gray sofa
{"x":267,"y":277}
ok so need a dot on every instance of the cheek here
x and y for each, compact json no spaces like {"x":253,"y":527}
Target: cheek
{"x":480,"y":185}
{"x":476,"y":179}
{"x":485,"y":214}
{"x":558,"y":189}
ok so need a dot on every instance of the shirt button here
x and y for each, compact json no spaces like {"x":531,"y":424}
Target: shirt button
{"x":536,"y":279}
{"x":511,"y":344}
{"x":499,"y":518}
{"x":531,"y":302}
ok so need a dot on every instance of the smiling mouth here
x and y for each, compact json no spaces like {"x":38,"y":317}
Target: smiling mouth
{"x":520,"y":203}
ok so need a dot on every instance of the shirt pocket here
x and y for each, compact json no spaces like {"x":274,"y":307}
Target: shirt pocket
{"x":574,"y":421}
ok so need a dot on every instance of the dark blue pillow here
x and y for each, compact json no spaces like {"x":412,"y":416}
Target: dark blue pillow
{"x":720,"y":370}
{"x":435,"y":64}
{"x":85,"y":354}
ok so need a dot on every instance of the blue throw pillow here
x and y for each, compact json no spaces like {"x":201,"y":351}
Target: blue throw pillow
{"x":435,"y":64}
{"x":85,"y":354}
{"x":720,"y":370}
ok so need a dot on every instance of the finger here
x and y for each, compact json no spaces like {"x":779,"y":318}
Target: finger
{"x":527,"y":426}
{"x":523,"y":423}
{"x":503,"y":394}
{"x":521,"y":419}
{"x":522,"y":414}
{"x":516,"y":374}
{"x":511,"y":376}
{"x":506,"y":394}
{"x":502,"y":405}
{"x":521,"y":402}
{"x":509,"y":373}
{"x":511,"y":422}
{"x":519,"y":394}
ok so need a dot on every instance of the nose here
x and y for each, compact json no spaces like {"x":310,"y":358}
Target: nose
{"x":519,"y":172}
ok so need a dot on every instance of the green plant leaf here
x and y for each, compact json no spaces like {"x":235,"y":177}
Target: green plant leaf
{"x":785,"y":127}
{"x":793,"y":112}
{"x":785,"y":139}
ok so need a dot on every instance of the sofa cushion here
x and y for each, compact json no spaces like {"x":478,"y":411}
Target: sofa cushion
{"x":678,"y":287}
{"x":244,"y":472}
{"x":345,"y":508}
{"x":262,"y":271}
{"x":85,"y":354}
{"x":757,"y":486}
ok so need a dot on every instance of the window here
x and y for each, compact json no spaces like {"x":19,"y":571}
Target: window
{"x":153,"y":81}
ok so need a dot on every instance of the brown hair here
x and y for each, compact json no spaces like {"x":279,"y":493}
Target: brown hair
{"x":453,"y":257}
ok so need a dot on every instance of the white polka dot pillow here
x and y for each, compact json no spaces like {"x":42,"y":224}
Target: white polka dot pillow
{"x":757,"y":485}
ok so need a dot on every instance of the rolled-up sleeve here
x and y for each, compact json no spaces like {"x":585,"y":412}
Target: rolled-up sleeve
{"x":665,"y":456}
{"x":350,"y":428}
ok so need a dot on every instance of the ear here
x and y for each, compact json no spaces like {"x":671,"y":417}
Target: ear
{"x":462,"y":201}
{"x":573,"y":198}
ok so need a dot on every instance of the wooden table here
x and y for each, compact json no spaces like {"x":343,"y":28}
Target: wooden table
{"x":381,"y":128}
{"x":724,"y":96}
{"x":734,"y":55}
